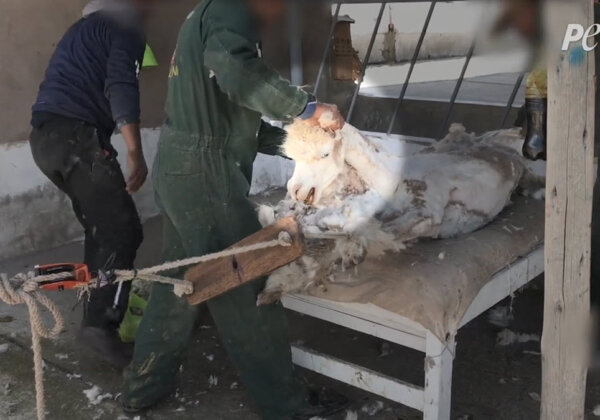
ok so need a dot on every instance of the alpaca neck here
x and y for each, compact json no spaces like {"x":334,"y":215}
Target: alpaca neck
{"x":374,"y":167}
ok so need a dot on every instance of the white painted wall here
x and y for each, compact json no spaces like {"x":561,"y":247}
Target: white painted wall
{"x":452,"y":17}
{"x":435,"y":46}
{"x":35,"y":215}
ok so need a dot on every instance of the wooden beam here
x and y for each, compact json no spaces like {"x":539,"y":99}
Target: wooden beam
{"x":216,"y":277}
{"x":569,"y":188}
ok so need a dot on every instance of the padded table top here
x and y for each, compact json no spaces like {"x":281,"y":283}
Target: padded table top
{"x":434,"y":282}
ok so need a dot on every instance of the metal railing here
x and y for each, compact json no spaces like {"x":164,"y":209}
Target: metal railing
{"x":414,"y":60}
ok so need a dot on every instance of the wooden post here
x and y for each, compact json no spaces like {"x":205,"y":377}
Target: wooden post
{"x":569,"y":188}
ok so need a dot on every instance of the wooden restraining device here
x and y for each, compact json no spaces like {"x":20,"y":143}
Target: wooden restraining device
{"x":216,"y":277}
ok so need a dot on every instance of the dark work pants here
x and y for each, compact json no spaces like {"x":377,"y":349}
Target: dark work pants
{"x":69,"y":153}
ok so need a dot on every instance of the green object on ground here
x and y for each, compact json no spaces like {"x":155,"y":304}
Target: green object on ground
{"x":149,"y":58}
{"x":132,"y":319}
{"x":218,"y":90}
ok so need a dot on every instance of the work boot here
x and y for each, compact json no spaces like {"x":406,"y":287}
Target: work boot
{"x":322,"y":405}
{"x":107,"y":345}
{"x":131,"y":410}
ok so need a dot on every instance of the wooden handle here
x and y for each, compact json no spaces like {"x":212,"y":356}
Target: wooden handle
{"x":214,"y":278}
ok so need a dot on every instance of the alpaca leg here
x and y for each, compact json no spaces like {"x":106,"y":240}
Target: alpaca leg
{"x":423,"y":227}
{"x":533,"y":186}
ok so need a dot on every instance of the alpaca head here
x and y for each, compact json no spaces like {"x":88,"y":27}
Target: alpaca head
{"x":319,"y":158}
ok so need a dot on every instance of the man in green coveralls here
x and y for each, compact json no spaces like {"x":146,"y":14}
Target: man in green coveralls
{"x":219,"y":88}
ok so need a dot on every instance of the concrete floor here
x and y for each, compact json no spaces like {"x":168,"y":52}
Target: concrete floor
{"x":490,"y":381}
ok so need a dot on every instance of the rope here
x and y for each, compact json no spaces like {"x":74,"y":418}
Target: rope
{"x":184,"y":287}
{"x":23,"y":289}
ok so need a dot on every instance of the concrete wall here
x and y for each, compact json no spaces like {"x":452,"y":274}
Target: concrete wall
{"x":34,"y":215}
{"x":29,"y":32}
{"x":435,"y":46}
{"x":314,"y":21}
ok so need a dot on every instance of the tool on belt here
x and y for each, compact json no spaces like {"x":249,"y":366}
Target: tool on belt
{"x":72,"y":276}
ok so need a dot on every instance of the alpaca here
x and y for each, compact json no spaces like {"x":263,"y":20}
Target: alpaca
{"x":355,"y":198}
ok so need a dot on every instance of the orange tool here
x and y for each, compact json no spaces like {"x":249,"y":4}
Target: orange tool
{"x":79,"y":275}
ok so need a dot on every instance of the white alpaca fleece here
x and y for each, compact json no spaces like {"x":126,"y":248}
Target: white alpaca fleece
{"x":305,"y":142}
{"x":355,"y":199}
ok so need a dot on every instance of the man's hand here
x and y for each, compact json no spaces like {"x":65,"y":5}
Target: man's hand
{"x":138,"y":171}
{"x":328,"y":117}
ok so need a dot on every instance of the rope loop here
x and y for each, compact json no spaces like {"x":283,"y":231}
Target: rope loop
{"x":23,"y":289}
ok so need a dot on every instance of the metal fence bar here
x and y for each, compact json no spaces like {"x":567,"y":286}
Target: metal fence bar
{"x":456,"y":90}
{"x":327,"y":49}
{"x":295,"y":37}
{"x":413,"y":62}
{"x":366,"y":61}
{"x":512,"y":98}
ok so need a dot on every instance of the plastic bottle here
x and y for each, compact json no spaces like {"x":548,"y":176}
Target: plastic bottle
{"x":536,"y":105}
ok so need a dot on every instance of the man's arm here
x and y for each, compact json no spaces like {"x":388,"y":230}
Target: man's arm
{"x":247,"y":80}
{"x":138,"y":171}
{"x":122,"y":90}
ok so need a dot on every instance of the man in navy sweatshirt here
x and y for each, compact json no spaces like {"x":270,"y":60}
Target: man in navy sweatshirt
{"x":90,"y":88}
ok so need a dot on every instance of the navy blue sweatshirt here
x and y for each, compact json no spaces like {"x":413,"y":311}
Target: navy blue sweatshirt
{"x":93,"y":75}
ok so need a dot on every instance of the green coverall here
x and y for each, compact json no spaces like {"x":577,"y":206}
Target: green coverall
{"x":219,"y":88}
